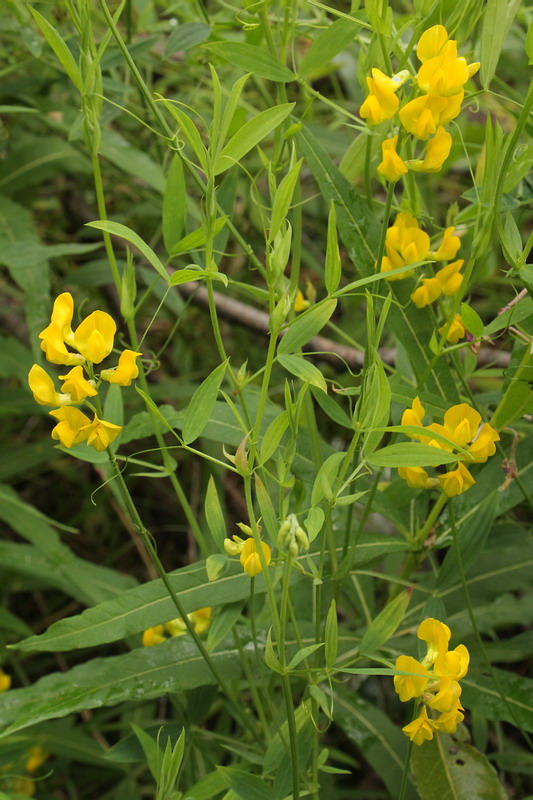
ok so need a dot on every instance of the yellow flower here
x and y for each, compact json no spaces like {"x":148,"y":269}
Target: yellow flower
{"x":456,"y":330}
{"x":457,"y":481}
{"x":94,"y":336}
{"x":461,"y":422}
{"x":381,"y":103}
{"x":416,"y":477}
{"x":420,"y":729}
{"x":449,"y":720}
{"x":176,"y":627}
{"x":483,"y":445}
{"x":42,"y":386}
{"x":125,"y":371}
{"x":449,"y":246}
{"x":5,"y":681}
{"x":431,"y":43}
{"x":405,"y":243}
{"x":452,"y":664}
{"x":414,"y":415}
{"x":436,"y":634}
{"x":449,"y":277}
{"x":76,"y":385}
{"x":250,"y":560}
{"x":427,"y":292}
{"x":300,"y":304}
{"x":423,"y":115}
{"x":437,"y":151}
{"x":442,"y":72}
{"x":100,"y":433}
{"x":391,"y":167}
{"x":72,"y":427}
{"x":36,"y":757}
{"x":447,"y":696}
{"x":233,"y":546}
{"x":53,"y":346}
{"x":152,"y":636}
{"x":62,"y":313}
{"x":409,"y":686}
{"x":201,"y":619}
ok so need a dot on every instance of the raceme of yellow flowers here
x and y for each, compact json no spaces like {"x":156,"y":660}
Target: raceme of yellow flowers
{"x":440,"y":80}
{"x":200,"y":619}
{"x":435,"y":682}
{"x":93,"y":340}
{"x":406,"y":243}
{"x":462,"y":426}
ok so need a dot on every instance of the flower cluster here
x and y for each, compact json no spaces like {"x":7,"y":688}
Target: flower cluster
{"x":440,"y":79}
{"x":435,"y":681}
{"x":200,"y":619}
{"x":93,"y":340}
{"x":462,"y":427}
{"x":247,"y":551}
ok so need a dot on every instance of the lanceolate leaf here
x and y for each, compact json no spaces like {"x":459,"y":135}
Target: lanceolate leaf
{"x":133,"y":238}
{"x":251,"y":133}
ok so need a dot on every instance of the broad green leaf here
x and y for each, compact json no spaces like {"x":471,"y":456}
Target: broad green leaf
{"x":60,"y":49}
{"x":323,"y":485}
{"x":332,"y":267}
{"x":185,"y":36}
{"x":146,"y":672}
{"x":306,"y":326}
{"x":283,"y":199}
{"x":174,"y":204}
{"x":213,"y":513}
{"x":407,"y":454}
{"x":516,"y":396}
{"x":245,"y":784}
{"x":328,"y":44}
{"x":251,"y":133}
{"x":251,"y":58}
{"x":497,"y":19}
{"x":512,"y":316}
{"x":384,"y":626}
{"x":472,"y":321}
{"x":479,"y":692}
{"x":307,"y":372}
{"x":195,"y":239}
{"x":202,"y":403}
{"x":117,"y":229}
{"x":447,"y":769}
{"x":313,"y":522}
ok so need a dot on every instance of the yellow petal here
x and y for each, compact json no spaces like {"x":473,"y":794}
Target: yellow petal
{"x":94,"y":336}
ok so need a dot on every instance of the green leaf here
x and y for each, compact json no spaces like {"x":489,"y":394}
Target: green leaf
{"x":251,"y":58}
{"x":332,"y":267}
{"x":323,"y":485}
{"x":185,"y":36}
{"x":250,"y":134}
{"x":174,"y":204}
{"x":407,"y":454}
{"x":497,"y":18}
{"x":272,"y":436}
{"x":195,"y":239}
{"x":190,"y":131}
{"x":202,"y":404}
{"x":472,"y":321}
{"x":60,"y":49}
{"x":385,"y":625}
{"x":131,"y":160}
{"x":117,"y":229}
{"x":331,"y":635}
{"x":283,"y":199}
{"x":215,"y":566}
{"x":266,"y":508}
{"x":447,"y":769}
{"x":328,"y":44}
{"x":332,"y":409}
{"x":150,"y":748}
{"x":313,"y":522}
{"x":245,"y":784}
{"x":306,"y":326}
{"x":376,"y":405}
{"x":480,"y":693}
{"x":307,"y":372}
{"x":302,"y":654}
{"x":213,"y":514}
{"x":516,"y":396}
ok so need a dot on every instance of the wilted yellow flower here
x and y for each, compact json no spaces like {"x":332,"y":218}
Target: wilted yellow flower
{"x":300,"y":304}
{"x":456,"y":330}
{"x":382,"y":102}
{"x":94,"y":336}
{"x":100,"y":433}
{"x":427,"y":292}
{"x":391,"y":167}
{"x":409,"y":686}
{"x":153,"y":636}
{"x":76,"y":385}
{"x":250,"y":561}
{"x":5,"y":681}
{"x":449,"y":246}
{"x":125,"y":371}
{"x":437,"y":151}
{"x":72,"y":427}
{"x":456,"y":481}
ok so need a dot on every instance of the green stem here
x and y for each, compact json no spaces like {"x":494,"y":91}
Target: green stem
{"x":385,"y":225}
{"x":100,"y":201}
{"x":405,"y":773}
{"x":293,"y":738}
{"x":421,"y":535}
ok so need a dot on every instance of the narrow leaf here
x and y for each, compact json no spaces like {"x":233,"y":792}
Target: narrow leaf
{"x":117,"y":229}
{"x":251,"y":133}
{"x":202,"y":403}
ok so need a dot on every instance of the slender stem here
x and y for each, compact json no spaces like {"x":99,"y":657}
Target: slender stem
{"x":100,"y":201}
{"x":368,"y":176}
{"x":421,"y":535}
{"x":252,"y":681}
{"x":385,"y":224}
{"x":405,"y":773}
{"x":293,"y":737}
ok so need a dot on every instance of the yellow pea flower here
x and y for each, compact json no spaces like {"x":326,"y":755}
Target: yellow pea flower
{"x":452,"y":664}
{"x":461,"y":422}
{"x":72,"y":427}
{"x":449,"y":246}
{"x":125,"y":371}
{"x":382,"y":102}
{"x":391,"y":167}
{"x":449,"y":277}
{"x":5,"y":681}
{"x":436,"y":634}
{"x":62,"y":313}
{"x":250,"y":560}
{"x":437,"y":151}
{"x":483,"y":445}
{"x":409,"y":686}
{"x":233,"y":546}
{"x":201,"y":619}
{"x":414,"y":415}
{"x":457,"y":481}
{"x":416,"y":477}
{"x":43,"y":389}
{"x":442,"y":71}
{"x":431,"y":43}
{"x":420,"y":729}
{"x":456,"y":330}
{"x":423,"y":115}
{"x":405,"y":243}
{"x":176,"y":627}
{"x":53,"y":346}
{"x":300,"y":303}
{"x":36,"y":757}
{"x":447,"y":696}
{"x":94,"y":336}
{"x":76,"y":385}
{"x":427,"y":292}
{"x":153,"y":636}
{"x":100,"y":433}
{"x":449,"y":720}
